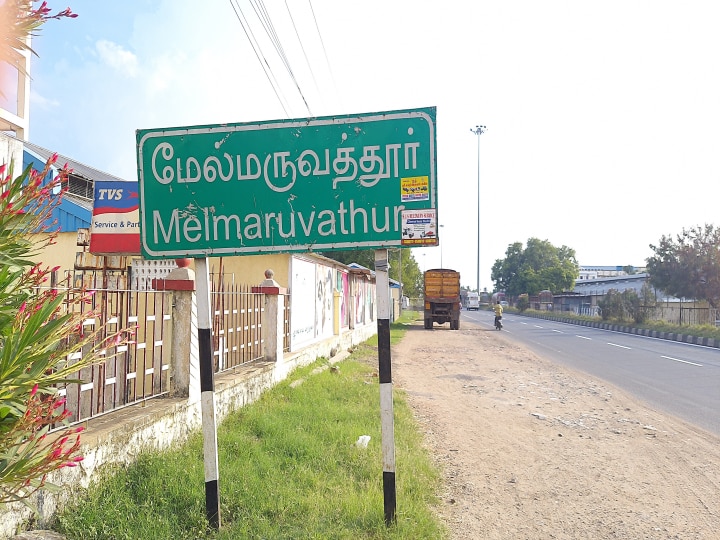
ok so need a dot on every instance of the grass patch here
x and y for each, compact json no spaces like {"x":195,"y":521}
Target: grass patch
{"x":289,"y":469}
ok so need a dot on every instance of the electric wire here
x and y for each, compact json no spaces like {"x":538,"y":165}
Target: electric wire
{"x":307,"y":60}
{"x":327,"y":60}
{"x":266,"y":21}
{"x":258,"y":53}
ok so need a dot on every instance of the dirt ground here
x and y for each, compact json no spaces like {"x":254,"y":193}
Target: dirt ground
{"x":533,"y":450}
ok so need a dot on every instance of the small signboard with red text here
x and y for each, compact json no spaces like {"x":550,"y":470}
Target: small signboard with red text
{"x":115,"y":220}
{"x":419,"y":227}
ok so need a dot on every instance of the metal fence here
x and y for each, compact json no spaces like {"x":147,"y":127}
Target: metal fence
{"x":678,"y":314}
{"x":132,"y":372}
{"x":237,"y":331}
{"x":286,"y":325}
{"x":138,"y":370}
{"x":236,"y":325}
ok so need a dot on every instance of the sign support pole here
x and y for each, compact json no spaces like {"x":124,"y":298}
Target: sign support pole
{"x":382,"y":284}
{"x":207,"y":396}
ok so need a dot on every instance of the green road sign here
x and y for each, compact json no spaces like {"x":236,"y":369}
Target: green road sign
{"x":310,"y":184}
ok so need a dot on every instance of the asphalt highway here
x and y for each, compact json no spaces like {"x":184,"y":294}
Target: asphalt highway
{"x":678,"y":378}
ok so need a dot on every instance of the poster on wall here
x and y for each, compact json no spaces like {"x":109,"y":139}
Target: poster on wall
{"x":324,"y":301}
{"x":302,"y":313}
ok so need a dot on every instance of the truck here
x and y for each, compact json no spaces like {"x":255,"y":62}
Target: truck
{"x":473,"y":301}
{"x":442,"y":298}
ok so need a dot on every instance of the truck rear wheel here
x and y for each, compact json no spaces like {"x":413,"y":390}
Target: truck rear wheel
{"x":428,"y":324}
{"x":454,"y":325}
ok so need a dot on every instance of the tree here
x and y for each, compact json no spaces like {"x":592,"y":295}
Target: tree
{"x":38,"y":335}
{"x":643,"y":305}
{"x":688,"y":266}
{"x":38,"y":329}
{"x":537,"y":267}
{"x":612,"y":306}
{"x":629,"y":269}
{"x":412,"y":278}
{"x":617,"y":305}
{"x":18,"y":21}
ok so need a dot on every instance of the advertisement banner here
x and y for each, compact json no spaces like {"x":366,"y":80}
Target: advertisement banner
{"x":115,"y":219}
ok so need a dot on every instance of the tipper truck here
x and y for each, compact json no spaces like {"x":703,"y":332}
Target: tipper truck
{"x":442,"y":298}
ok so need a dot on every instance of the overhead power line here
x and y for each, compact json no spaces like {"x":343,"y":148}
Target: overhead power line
{"x":327,"y":60}
{"x":266,"y":21}
{"x":307,"y":60}
{"x":258,"y":54}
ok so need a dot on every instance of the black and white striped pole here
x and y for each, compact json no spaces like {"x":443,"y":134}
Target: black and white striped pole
{"x":207,"y":393}
{"x":387,"y":422}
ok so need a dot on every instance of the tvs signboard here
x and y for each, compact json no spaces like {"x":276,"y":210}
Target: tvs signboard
{"x":114,"y":229}
{"x":311,"y":184}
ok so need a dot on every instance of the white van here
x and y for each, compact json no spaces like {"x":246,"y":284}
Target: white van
{"x":473,"y":301}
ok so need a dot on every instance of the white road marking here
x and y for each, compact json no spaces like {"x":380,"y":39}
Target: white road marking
{"x":537,"y":326}
{"x":683,"y":361}
{"x":616,"y":345}
{"x":558,"y":331}
{"x":584,"y":337}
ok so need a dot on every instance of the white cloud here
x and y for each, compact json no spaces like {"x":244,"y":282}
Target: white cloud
{"x":117,"y":57}
{"x":41,"y":102}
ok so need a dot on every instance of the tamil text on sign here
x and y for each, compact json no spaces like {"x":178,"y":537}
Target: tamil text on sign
{"x":314,"y":184}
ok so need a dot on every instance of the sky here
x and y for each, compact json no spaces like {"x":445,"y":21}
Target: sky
{"x":601,"y":118}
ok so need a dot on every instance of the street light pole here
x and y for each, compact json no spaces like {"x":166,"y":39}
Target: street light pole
{"x":479,"y":130}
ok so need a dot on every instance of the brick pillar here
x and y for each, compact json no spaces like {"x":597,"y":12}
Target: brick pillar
{"x":274,"y":319}
{"x":184,"y":356}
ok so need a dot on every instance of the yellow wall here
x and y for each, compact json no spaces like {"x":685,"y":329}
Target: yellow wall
{"x":247,"y":270}
{"x":250,"y":269}
{"x":61,"y":254}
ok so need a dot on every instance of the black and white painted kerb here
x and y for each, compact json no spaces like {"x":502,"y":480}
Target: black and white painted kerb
{"x":207,"y":396}
{"x":382,"y":284}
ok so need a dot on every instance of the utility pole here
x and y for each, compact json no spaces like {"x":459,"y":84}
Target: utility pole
{"x":479,"y":130}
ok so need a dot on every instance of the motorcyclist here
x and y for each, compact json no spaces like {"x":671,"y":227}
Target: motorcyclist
{"x":498,"y":309}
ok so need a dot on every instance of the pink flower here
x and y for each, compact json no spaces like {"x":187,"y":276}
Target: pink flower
{"x":42,"y":10}
{"x":35,"y":388}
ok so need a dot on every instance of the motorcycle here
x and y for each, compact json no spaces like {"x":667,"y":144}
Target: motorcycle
{"x":498,"y":323}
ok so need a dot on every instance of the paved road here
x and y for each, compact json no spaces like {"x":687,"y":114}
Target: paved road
{"x":681,"y":379}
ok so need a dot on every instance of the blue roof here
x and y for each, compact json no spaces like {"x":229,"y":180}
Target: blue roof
{"x":75,"y":209}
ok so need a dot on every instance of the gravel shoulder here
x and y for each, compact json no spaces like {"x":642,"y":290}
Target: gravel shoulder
{"x":530,"y":449}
